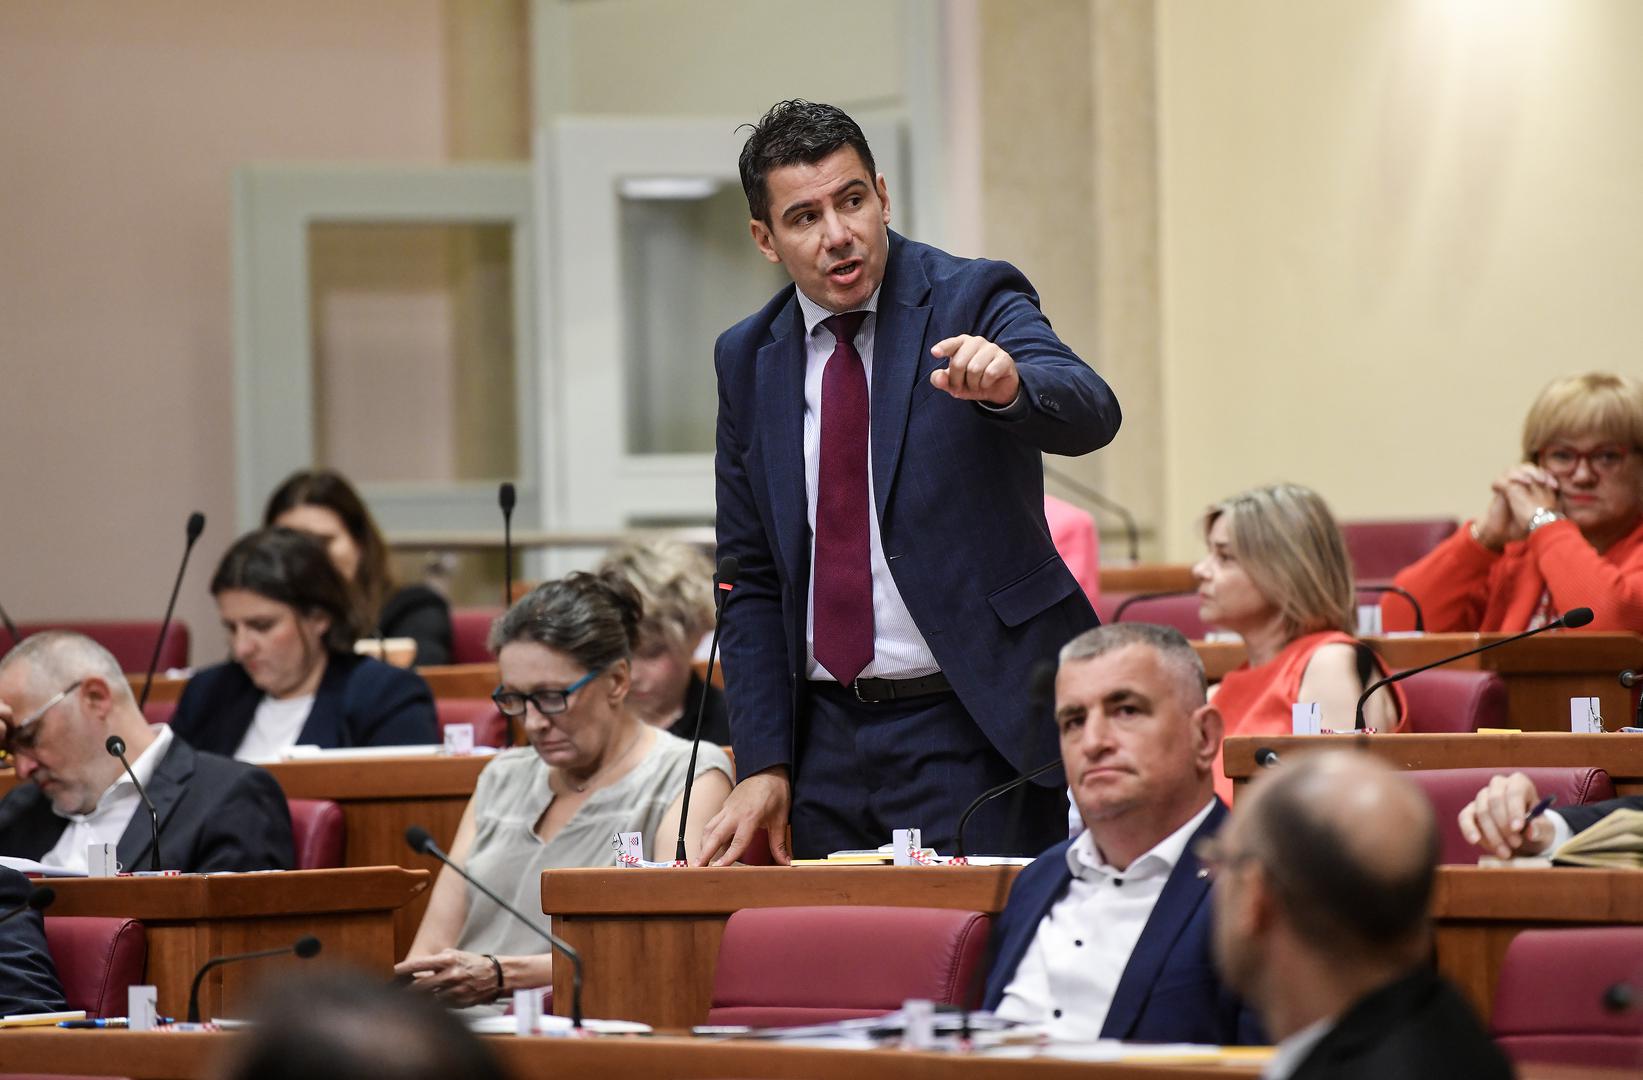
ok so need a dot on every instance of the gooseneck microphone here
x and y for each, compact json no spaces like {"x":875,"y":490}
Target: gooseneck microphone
{"x":423,"y":844}
{"x":1572,"y":619}
{"x":39,"y":899}
{"x":116,"y":747}
{"x":506,"y":496}
{"x":303,"y":947}
{"x":1041,"y":692}
{"x":1090,"y":495}
{"x":1124,"y":605}
{"x":724,"y":581}
{"x":11,"y":627}
{"x":1409,"y":597}
{"x":196,"y":525}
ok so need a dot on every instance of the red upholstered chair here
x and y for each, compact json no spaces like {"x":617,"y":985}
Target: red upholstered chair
{"x":469,"y":629}
{"x":131,"y":642}
{"x":1451,"y":789}
{"x":490,"y":726}
{"x":97,"y":959}
{"x":1550,"y":1003}
{"x":318,"y":833}
{"x":1177,"y":610}
{"x":1379,"y":549}
{"x":1443,"y":701}
{"x":158,"y":712}
{"x":804,"y":965}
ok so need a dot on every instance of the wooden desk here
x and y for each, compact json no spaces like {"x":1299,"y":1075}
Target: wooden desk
{"x":1621,"y":756}
{"x":1148,"y":578}
{"x":192,"y":918}
{"x":1541,"y":673}
{"x":1479,"y":911}
{"x":650,"y":938}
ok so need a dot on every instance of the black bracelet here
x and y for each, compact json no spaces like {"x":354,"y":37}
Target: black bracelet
{"x":497,"y":964}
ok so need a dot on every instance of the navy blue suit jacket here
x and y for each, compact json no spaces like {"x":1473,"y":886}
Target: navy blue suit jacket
{"x":360,"y":702}
{"x":215,"y":815}
{"x":1169,"y":991}
{"x":28,"y":978}
{"x":1584,"y":817}
{"x":959,"y":494}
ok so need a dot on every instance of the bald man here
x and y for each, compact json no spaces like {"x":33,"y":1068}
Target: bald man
{"x":1323,"y":878}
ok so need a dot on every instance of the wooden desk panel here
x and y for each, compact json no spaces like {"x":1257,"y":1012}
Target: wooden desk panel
{"x":650,"y":938}
{"x":1541,"y":673}
{"x":1148,"y":578}
{"x":192,"y":918}
{"x":1621,"y":756}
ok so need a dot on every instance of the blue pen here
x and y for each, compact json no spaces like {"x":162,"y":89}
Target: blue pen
{"x":107,"y":1022}
{"x":1540,"y":808}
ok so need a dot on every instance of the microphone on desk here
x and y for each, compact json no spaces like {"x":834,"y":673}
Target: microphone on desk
{"x":303,"y":947}
{"x":1420,"y":617}
{"x":1087,"y":493}
{"x":423,"y":844}
{"x":724,"y":581}
{"x":196,"y":525}
{"x":116,"y":747}
{"x":1266,"y":757}
{"x":11,"y":627}
{"x":39,"y":899}
{"x":1572,"y":619}
{"x":1041,"y":692}
{"x":506,"y":497}
{"x":1631,"y":679}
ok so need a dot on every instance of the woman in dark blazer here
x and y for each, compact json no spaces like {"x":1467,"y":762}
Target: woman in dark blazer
{"x":294,"y":678}
{"x":322,"y":502}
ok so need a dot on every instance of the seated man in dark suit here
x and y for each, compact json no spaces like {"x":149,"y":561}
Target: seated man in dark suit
{"x":28,"y":979}
{"x":1108,"y":934}
{"x":1323,"y":879}
{"x":61,"y":696}
{"x":1498,"y":819}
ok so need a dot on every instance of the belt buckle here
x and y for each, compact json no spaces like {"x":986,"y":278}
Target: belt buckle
{"x":855,"y":688}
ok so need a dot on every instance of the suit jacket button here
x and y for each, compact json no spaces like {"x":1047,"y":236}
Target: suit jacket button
{"x":1049,"y":402}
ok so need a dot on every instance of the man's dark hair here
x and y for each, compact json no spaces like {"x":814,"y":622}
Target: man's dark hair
{"x":1334,"y":902}
{"x":795,"y":133}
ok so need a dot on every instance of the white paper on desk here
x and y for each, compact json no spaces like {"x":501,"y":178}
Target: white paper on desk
{"x":309,"y":752}
{"x":1305,"y":718}
{"x":500,"y":1024}
{"x":29,"y":866}
{"x":1114,"y":1050}
{"x":1586,"y":715}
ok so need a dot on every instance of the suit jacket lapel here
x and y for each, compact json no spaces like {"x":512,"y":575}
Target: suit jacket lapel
{"x":165,"y":789}
{"x":779,"y":370}
{"x":1185,"y":890}
{"x":898,"y":355}
{"x":1034,"y":906}
{"x":326,"y":724}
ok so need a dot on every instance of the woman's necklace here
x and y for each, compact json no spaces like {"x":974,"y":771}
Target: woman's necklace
{"x":626,"y":750}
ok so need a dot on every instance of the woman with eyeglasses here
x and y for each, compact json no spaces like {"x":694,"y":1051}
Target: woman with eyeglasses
{"x":592,"y":769}
{"x":1561,"y":530}
{"x":294,"y":678}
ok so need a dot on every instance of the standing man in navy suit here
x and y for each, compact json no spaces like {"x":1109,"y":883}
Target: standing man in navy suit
{"x":1110,"y":935}
{"x":879,"y":480}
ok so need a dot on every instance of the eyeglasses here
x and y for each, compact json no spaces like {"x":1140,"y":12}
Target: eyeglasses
{"x":23,"y":734}
{"x":1215,"y":858}
{"x":547,"y":702}
{"x":1604,"y":461}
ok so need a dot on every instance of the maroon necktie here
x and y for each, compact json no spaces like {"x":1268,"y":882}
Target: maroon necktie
{"x":843,"y":597}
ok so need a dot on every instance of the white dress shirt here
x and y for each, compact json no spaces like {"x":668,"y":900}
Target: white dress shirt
{"x":1068,"y":975}
{"x":108,"y":820}
{"x":899,"y":650}
{"x":274,"y":728}
{"x":1289,"y":1054}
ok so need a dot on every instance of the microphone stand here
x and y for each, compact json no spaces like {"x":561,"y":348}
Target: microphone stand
{"x":729,"y":568}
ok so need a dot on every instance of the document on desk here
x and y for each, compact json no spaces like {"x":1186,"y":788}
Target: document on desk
{"x":29,"y":866}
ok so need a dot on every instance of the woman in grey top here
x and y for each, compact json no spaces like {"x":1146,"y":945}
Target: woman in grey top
{"x":592,"y":770}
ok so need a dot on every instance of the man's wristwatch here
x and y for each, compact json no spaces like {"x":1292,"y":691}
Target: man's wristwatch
{"x":1543,"y":516}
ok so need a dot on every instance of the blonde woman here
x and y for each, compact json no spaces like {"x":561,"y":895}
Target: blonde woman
{"x":1277,"y":574}
{"x":675,"y":582}
{"x":1563,"y":529}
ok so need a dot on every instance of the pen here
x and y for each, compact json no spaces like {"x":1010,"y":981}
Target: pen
{"x":107,"y":1022}
{"x":1540,"y":808}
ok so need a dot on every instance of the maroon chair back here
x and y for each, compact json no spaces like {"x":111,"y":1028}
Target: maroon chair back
{"x":490,"y":726}
{"x":1179,"y":611}
{"x":1442,"y":701}
{"x":97,"y":959}
{"x":1451,"y":789}
{"x":131,"y":642}
{"x":1550,"y":1002}
{"x":158,"y":712}
{"x":813,"y":965}
{"x":469,"y":629}
{"x":318,"y":833}
{"x":1379,"y":549}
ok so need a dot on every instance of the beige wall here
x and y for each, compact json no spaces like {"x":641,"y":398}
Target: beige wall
{"x":1387,"y":223}
{"x":120,"y":127}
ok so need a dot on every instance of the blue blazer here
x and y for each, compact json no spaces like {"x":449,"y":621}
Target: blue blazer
{"x":959,"y":493}
{"x":1169,"y":991}
{"x":28,"y":978}
{"x":360,"y":702}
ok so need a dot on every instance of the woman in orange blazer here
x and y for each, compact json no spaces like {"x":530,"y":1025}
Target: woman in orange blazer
{"x":1562,"y":530}
{"x":1278,"y":575}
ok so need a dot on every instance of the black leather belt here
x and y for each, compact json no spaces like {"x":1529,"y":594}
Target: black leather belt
{"x":878,"y":691}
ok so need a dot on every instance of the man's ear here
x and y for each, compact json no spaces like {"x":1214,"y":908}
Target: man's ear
{"x":1207,"y":727}
{"x":884,"y":195}
{"x":96,"y":696}
{"x":763,"y":240}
